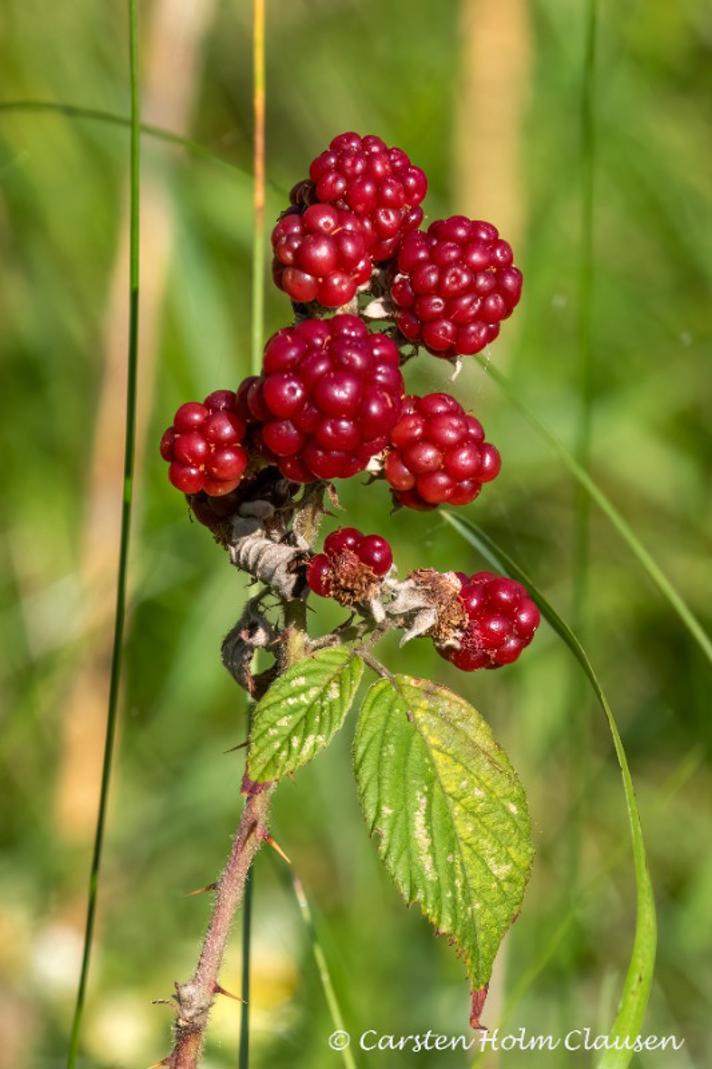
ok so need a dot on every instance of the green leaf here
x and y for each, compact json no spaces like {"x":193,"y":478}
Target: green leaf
{"x":301,"y":712}
{"x":636,"y":987}
{"x":449,"y":812}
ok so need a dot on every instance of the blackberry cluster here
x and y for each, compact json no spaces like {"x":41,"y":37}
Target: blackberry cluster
{"x":330,"y":400}
{"x":350,"y":566}
{"x":454,"y":285}
{"x":379,"y":184}
{"x":204,"y":446}
{"x":329,"y":394}
{"x":437,"y":454}
{"x":501,"y":622}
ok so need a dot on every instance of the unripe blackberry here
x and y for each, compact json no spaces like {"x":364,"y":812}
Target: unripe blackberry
{"x":329,"y":395}
{"x":350,"y":567}
{"x":204,"y":446}
{"x":378,"y":184}
{"x":501,"y":622}
{"x":438,"y":454}
{"x":320,"y":255}
{"x":454,"y":285}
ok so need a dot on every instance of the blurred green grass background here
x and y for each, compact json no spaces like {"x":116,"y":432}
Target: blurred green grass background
{"x":487,"y":100}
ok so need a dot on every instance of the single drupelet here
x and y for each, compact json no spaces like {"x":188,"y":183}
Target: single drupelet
{"x":501,"y":622}
{"x":438,"y":454}
{"x":454,"y":284}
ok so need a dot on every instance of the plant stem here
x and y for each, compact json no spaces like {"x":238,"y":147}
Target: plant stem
{"x":243,"y":1054}
{"x":258,"y":243}
{"x":322,"y":967}
{"x":582,"y":448}
{"x":258,"y":301}
{"x":195,"y":997}
{"x":126,"y":509}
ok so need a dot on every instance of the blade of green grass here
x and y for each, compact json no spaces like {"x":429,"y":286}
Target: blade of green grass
{"x":258,"y":243}
{"x":76,"y":111}
{"x":243,"y":1053}
{"x":636,"y":987}
{"x":258,"y":314}
{"x":126,"y":508}
{"x":574,"y":693}
{"x":582,"y":449}
{"x":624,"y":529}
{"x":332,"y":1002}
{"x":687,"y":767}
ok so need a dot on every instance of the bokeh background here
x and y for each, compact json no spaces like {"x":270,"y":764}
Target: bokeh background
{"x":487,"y":98}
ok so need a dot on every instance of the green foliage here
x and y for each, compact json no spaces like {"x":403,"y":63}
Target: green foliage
{"x":301,"y":712}
{"x":448,"y":811}
{"x":639,"y":976}
{"x":64,"y":197}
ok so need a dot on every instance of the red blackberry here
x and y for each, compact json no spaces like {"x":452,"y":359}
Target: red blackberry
{"x":379,"y":184}
{"x":501,"y":621}
{"x":328,"y":397}
{"x":350,"y":565}
{"x":320,"y":255}
{"x":438,"y":454}
{"x":455,"y":284}
{"x":204,"y":446}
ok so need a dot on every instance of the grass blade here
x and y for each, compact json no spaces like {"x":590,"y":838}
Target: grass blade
{"x":126,"y":508}
{"x":243,"y":1055}
{"x":332,"y":1002}
{"x":624,"y":529}
{"x":258,"y":305}
{"x":258,"y":243}
{"x":636,"y":987}
{"x":77,"y":111}
{"x":582,"y":449}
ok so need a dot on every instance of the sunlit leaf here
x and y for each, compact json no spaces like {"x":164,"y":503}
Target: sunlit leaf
{"x":301,"y":712}
{"x":449,"y":812}
{"x":639,"y":977}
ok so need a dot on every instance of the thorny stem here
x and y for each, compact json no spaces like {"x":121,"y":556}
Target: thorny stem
{"x":194,"y":998}
{"x":270,"y":540}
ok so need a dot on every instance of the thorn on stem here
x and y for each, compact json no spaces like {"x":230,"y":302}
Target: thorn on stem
{"x":228,"y":994}
{"x":240,"y":746}
{"x":276,"y":847}
{"x":201,"y":890}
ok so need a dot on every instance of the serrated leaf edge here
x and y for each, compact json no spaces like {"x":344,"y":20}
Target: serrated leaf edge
{"x":349,"y":662}
{"x":410,"y":899}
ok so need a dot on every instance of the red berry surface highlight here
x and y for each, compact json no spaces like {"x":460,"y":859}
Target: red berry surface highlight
{"x":501,"y":622}
{"x":376,"y":183}
{"x":438,"y":454}
{"x":203,"y":446}
{"x":328,"y":397}
{"x":454,"y":285}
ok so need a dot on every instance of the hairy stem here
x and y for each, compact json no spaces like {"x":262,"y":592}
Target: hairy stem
{"x":195,"y":997}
